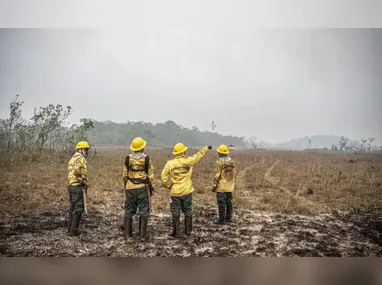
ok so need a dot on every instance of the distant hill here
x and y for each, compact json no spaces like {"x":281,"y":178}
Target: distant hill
{"x":318,"y":141}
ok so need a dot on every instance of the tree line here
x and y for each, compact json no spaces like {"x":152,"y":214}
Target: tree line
{"x":48,"y":129}
{"x":161,"y":135}
{"x":366,"y":145}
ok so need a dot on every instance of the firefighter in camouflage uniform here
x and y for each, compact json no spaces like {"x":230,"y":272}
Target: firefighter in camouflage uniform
{"x":138,"y":179}
{"x":78,"y":182}
{"x":180,"y":184}
{"x":224,"y":184}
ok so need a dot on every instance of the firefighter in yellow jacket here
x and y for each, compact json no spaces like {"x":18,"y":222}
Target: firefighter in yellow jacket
{"x":138,"y":179}
{"x":224,"y":184}
{"x":78,"y":177}
{"x":180,"y":184}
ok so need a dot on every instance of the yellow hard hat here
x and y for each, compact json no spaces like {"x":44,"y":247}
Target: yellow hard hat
{"x":138,"y":144}
{"x":223,"y":149}
{"x":82,"y":144}
{"x":179,"y":148}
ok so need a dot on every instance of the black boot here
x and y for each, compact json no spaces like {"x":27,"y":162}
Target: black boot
{"x":175,"y":227}
{"x":70,"y":221}
{"x":142,"y":228}
{"x":128,"y":228}
{"x":187,"y":225}
{"x":221,"y":220}
{"x":75,"y":225}
{"x":228,"y":217}
{"x":78,"y":220}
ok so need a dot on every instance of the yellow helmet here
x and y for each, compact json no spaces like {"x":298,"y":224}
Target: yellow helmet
{"x":223,"y":149}
{"x":179,"y":148}
{"x":138,"y":144}
{"x":82,"y":144}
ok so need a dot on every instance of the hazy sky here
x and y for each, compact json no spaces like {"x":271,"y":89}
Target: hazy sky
{"x":274,"y":83}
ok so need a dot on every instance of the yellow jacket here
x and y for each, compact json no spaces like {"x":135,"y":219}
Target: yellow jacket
{"x":77,"y":170}
{"x":136,"y":172}
{"x":180,"y":170}
{"x":225,"y":174}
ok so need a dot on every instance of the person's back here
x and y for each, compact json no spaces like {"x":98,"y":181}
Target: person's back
{"x":227,"y":174}
{"x":138,"y":179}
{"x":224,"y":183}
{"x":77,"y":170}
{"x":77,"y":176}
{"x":179,"y":169}
{"x":135,"y":176}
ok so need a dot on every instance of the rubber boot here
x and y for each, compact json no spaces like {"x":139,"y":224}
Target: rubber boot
{"x":78,"y":220}
{"x":175,"y":227}
{"x":74,"y":229}
{"x":128,"y":228}
{"x":142,"y":228}
{"x":70,"y":221}
{"x":228,"y":217}
{"x":187,"y":225}
{"x":222,"y":215}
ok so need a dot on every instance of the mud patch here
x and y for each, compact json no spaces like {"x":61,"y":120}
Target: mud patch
{"x":251,"y":234}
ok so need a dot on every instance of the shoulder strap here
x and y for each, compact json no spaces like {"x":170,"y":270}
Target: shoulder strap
{"x":147,"y":159}
{"x":127,"y":162}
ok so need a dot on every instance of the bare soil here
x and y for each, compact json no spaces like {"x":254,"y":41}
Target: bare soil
{"x":286,"y":204}
{"x":251,"y":234}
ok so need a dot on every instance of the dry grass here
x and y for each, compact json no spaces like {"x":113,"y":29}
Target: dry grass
{"x":272,"y":181}
{"x":281,"y":206}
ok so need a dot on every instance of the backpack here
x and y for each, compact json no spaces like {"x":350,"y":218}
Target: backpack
{"x":137,"y":180}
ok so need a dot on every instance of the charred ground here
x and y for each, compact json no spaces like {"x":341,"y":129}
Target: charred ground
{"x":286,"y":204}
{"x":252,"y":234}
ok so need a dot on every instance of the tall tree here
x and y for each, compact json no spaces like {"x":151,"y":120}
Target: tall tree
{"x":371,"y":140}
{"x":13,"y":123}
{"x":48,"y":119}
{"x":343,"y":141}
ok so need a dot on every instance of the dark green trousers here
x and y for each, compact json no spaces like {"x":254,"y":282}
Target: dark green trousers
{"x":225,"y":205}
{"x":76,"y":206}
{"x":182,"y":203}
{"x":137,"y":199}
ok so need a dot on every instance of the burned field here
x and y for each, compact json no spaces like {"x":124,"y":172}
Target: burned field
{"x":251,"y":235}
{"x":285,"y":204}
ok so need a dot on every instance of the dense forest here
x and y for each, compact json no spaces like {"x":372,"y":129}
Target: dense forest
{"x":159,"y":135}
